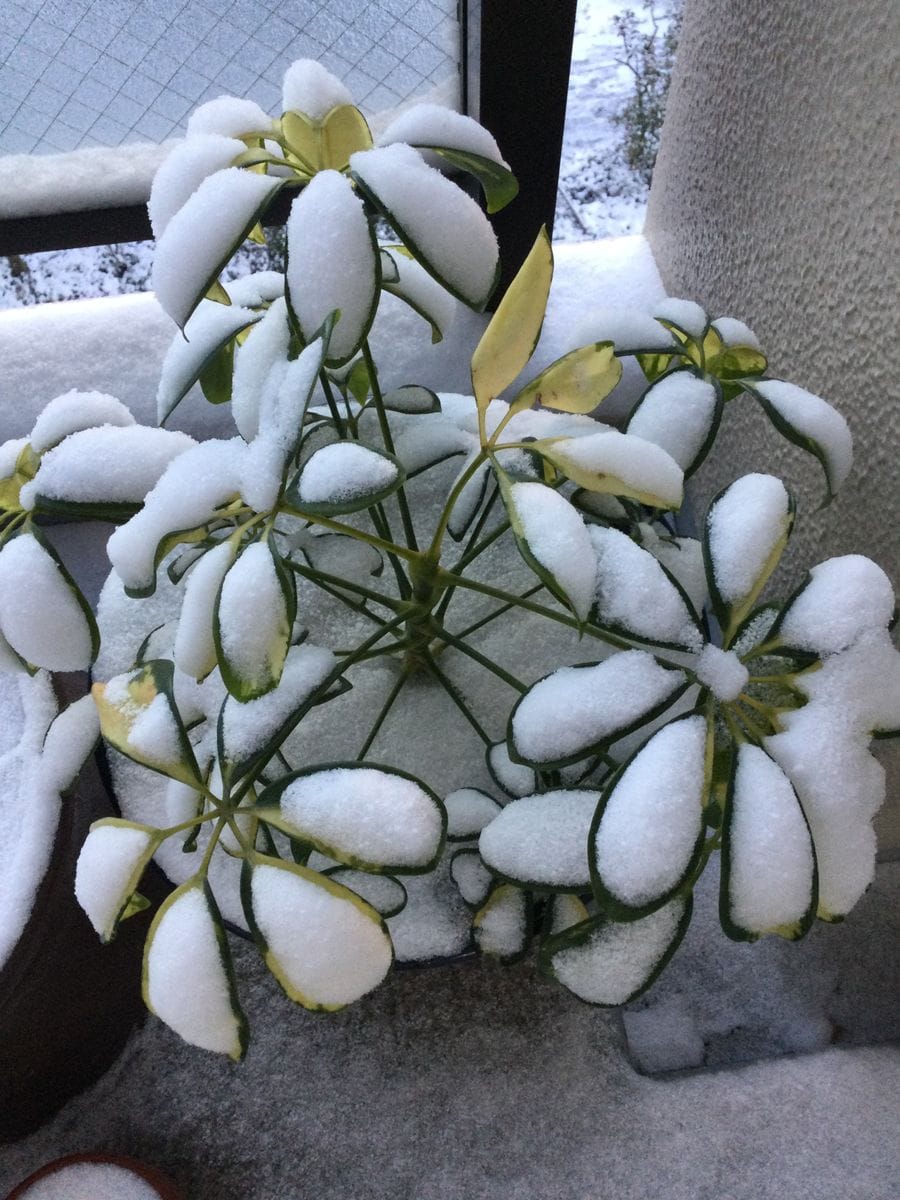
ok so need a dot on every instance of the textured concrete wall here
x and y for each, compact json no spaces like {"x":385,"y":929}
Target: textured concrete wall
{"x":776,"y":199}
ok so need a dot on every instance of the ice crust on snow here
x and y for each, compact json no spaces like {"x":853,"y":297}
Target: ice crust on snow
{"x":99,"y":1181}
{"x":641,"y":465}
{"x":281,"y":414}
{"x":200,"y":236}
{"x":311,"y":89}
{"x":252,"y":614}
{"x":365,"y":815}
{"x":247,"y":727}
{"x":770,"y":881}
{"x":72,"y":411}
{"x":264,"y":350}
{"x":228,"y":116}
{"x":186,"y":983}
{"x":676,"y":413}
{"x":116,"y":464}
{"x":722,"y":672}
{"x":542,"y":839}
{"x":617,"y":959}
{"x":468,"y":811}
{"x":435,"y":125}
{"x":558,"y":538}
{"x":52,"y":632}
{"x":329,"y":950}
{"x":344,"y":471}
{"x":845,"y":597}
{"x":462,"y":247}
{"x":654,"y":815}
{"x":106,"y":867}
{"x":744,"y":527}
{"x":633,"y":591}
{"x":187,"y":494}
{"x":209,"y":327}
{"x":686,"y":314}
{"x":332,"y":262}
{"x":577,"y":707}
{"x":815,"y":418}
{"x":179,"y":176}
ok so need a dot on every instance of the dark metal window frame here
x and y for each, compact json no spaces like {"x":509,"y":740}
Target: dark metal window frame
{"x":515,"y":64}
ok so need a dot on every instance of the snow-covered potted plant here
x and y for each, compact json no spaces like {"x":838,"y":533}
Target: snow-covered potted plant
{"x":366,"y":700}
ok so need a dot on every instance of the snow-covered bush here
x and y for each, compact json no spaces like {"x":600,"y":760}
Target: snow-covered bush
{"x":701,"y":722}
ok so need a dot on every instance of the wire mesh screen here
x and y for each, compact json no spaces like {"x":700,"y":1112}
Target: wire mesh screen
{"x":77,"y":73}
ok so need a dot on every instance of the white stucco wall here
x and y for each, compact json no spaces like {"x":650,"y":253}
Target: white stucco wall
{"x":776,"y":199}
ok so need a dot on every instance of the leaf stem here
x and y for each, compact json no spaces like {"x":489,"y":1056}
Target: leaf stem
{"x":378,"y":399}
{"x":482,"y":659}
{"x":457,"y":699}
{"x":380,"y":719}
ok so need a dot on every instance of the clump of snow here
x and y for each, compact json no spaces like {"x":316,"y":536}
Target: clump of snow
{"x":332,"y":262}
{"x":386,"y":894}
{"x":187,"y":495}
{"x":814,"y":418}
{"x":735,"y":333}
{"x":576,"y":708}
{"x":770,"y":880}
{"x":195,"y":649}
{"x":98,"y":1180}
{"x":111,"y":860}
{"x":311,"y":89}
{"x":745,"y":526}
{"x":654,"y":815}
{"x":686,"y":314}
{"x":201,"y":236}
{"x":326,"y":949}
{"x":189,"y":163}
{"x":468,"y":811}
{"x":722,"y":672}
{"x":281,"y":412}
{"x":617,"y":959}
{"x":365,"y":815}
{"x":258,"y":288}
{"x":252,"y":617}
{"x":471,"y":876}
{"x":435,"y":922}
{"x":676,"y":413}
{"x":414,"y":285}
{"x":9,"y":455}
{"x":634,"y":592}
{"x":111,"y":464}
{"x":72,"y":411}
{"x":635,"y":467}
{"x":228,"y":116}
{"x":265,"y":348}
{"x":431,"y":438}
{"x":542,"y":840}
{"x":436,"y":125}
{"x":683,"y":558}
{"x":39,"y":615}
{"x":69,"y":740}
{"x":185,"y":980}
{"x":246,"y":728}
{"x":501,"y":926}
{"x":516,"y":779}
{"x":557,"y":537}
{"x":629,"y":329}
{"x":154,"y":734}
{"x":461,"y":248}
{"x":210,"y":326}
{"x":845,"y":597}
{"x":343,"y":472}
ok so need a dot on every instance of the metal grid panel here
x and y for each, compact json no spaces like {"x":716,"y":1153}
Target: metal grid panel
{"x":79,"y":73}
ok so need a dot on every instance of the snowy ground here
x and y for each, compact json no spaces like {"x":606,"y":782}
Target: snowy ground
{"x":598,"y":195}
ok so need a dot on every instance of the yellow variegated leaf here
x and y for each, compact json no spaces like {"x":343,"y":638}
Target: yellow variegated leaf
{"x":509,"y":340}
{"x":217,"y":292}
{"x":327,"y":144}
{"x":620,"y":464}
{"x":575,"y":383}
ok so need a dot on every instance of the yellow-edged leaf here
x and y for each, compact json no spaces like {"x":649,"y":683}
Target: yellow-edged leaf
{"x":575,"y":383}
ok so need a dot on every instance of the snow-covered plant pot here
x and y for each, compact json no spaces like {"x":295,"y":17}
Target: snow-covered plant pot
{"x":99,"y":1176}
{"x":391,"y":673}
{"x":66,"y":1005}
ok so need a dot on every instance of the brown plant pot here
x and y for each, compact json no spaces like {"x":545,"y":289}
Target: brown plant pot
{"x":164,"y":1186}
{"x":67,"y":1002}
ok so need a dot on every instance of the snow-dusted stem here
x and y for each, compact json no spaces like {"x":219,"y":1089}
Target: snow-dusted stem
{"x":386,"y":434}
